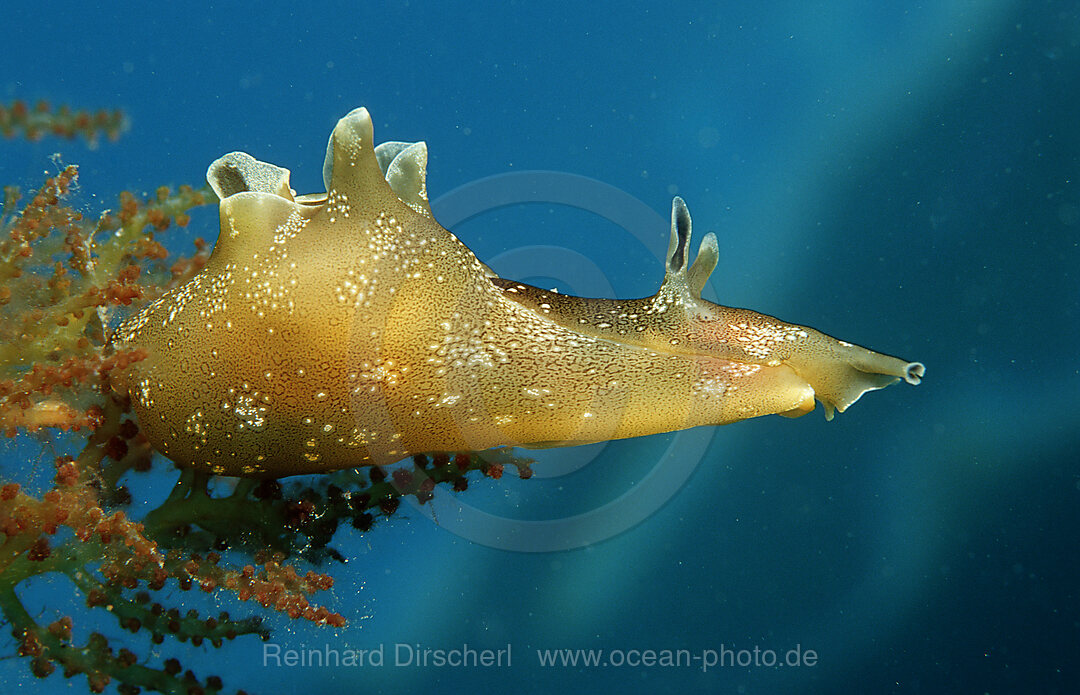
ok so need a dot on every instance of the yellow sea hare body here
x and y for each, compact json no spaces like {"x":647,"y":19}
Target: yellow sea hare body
{"x":349,"y":328}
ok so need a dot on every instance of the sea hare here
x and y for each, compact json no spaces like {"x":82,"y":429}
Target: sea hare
{"x":349,"y":328}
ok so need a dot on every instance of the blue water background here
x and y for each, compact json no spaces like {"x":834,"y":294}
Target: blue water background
{"x":902,"y":176}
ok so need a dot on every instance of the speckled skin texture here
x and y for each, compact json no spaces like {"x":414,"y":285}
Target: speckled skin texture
{"x":351,"y":329}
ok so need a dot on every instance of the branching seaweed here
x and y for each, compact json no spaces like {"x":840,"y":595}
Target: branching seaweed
{"x":35,"y":122}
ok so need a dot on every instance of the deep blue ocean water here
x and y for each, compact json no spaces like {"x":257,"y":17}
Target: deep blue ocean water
{"x":903,"y":177}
